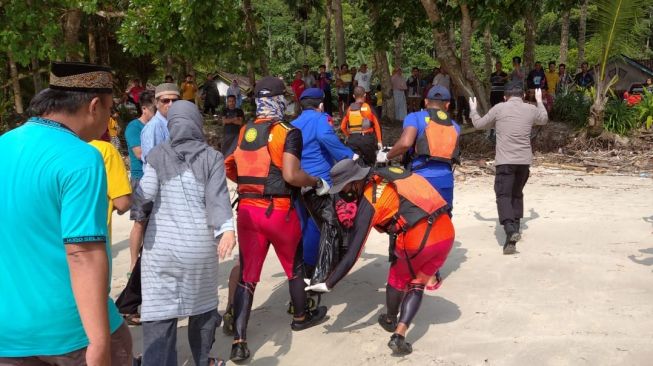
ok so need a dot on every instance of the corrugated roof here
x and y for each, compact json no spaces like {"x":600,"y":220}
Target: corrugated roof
{"x":646,"y":66}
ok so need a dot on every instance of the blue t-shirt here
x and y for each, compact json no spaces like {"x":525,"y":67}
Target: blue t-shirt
{"x":133,"y":137}
{"x":438,"y":171}
{"x":53,"y":192}
{"x":322,"y":148}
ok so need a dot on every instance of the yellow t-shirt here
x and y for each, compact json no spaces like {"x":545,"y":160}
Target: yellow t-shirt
{"x":113,"y":127}
{"x":551,"y":81}
{"x":117,"y":178}
{"x":188,"y":91}
{"x":379,"y":98}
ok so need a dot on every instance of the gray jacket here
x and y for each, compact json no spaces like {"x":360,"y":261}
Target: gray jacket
{"x":513,"y":122}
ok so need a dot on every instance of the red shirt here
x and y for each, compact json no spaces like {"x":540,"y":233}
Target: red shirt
{"x":298,"y":88}
{"x":135,"y":92}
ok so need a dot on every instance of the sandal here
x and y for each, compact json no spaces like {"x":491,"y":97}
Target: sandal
{"x":438,"y":282}
{"x":388,"y":326}
{"x":217,"y":361}
{"x":132,"y":319}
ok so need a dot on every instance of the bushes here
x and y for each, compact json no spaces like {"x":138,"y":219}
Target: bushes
{"x":644,"y":109}
{"x":572,"y":108}
{"x":619,"y":118}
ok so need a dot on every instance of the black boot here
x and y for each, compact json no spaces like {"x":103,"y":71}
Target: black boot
{"x":399,"y":346}
{"x":239,"y":352}
{"x":311,"y":318}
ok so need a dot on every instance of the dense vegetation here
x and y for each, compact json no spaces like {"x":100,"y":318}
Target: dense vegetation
{"x":151,"y":38}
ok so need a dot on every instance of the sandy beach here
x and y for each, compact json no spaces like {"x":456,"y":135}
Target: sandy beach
{"x":579,"y":292}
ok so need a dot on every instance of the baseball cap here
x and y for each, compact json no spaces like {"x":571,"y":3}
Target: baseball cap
{"x":438,"y":92}
{"x":312,"y":93}
{"x":269,"y":86}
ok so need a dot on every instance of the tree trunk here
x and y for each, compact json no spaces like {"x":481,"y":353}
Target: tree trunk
{"x":251,"y":40}
{"x":72,"y":21}
{"x":383,"y":71}
{"x":396,"y":52}
{"x":15,"y":83}
{"x":467,"y":66}
{"x":327,"y":36}
{"x":36,"y":75}
{"x":382,"y":68}
{"x":530,"y":26}
{"x":597,"y":110}
{"x":564,"y":36}
{"x":169,"y":64}
{"x":582,"y":28}
{"x":340,"y":32}
{"x":188,"y":67}
{"x":103,"y":33}
{"x":465,"y":79}
{"x":92,"y":42}
{"x":487,"y":48}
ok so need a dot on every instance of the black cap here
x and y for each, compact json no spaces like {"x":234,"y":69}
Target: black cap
{"x":269,"y":86}
{"x":77,"y":76}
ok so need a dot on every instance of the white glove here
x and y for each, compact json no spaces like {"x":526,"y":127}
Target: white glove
{"x":318,"y":287}
{"x":538,"y":95}
{"x":355,"y":157}
{"x":379,"y":146}
{"x":382,"y":157}
{"x":472,"y":103}
{"x":322,"y":187}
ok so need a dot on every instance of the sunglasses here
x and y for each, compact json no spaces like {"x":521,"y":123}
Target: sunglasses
{"x":168,"y":100}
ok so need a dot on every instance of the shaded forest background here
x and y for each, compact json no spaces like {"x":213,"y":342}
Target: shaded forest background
{"x":151,"y":38}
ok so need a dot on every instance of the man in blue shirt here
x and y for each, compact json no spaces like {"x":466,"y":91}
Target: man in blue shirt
{"x":139,"y":210}
{"x":53,"y":207}
{"x":436,"y":169}
{"x":321,"y":150}
{"x":156,"y":131}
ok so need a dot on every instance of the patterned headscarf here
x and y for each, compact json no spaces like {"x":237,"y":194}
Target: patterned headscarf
{"x":271,"y":107}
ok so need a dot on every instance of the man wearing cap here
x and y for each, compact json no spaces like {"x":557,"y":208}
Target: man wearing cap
{"x":362,"y":128}
{"x":55,"y":307}
{"x":513,"y":122}
{"x":156,"y":131}
{"x":394,"y":201}
{"x":321,"y":150}
{"x":266,"y":166}
{"x":420,"y":138}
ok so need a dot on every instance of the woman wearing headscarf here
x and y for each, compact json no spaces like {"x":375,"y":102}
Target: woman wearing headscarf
{"x":191,"y":225}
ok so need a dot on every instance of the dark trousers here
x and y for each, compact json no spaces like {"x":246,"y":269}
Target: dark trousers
{"x":364,"y":146}
{"x":209,"y":108}
{"x":509,"y":183}
{"x":160,"y":339}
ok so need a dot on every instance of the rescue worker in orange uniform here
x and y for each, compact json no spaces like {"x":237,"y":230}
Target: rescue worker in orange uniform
{"x":362,"y":128}
{"x":266,"y":166}
{"x":430,"y":143}
{"x":404,"y":205}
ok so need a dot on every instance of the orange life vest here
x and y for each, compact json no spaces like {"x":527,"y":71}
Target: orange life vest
{"x":258,"y":177}
{"x":440,"y":138}
{"x":418,"y":201}
{"x":357,"y":123}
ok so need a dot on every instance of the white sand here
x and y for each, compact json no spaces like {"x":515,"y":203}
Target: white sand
{"x":580,"y":292}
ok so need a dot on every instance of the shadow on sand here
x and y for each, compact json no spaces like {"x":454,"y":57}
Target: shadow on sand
{"x":499,"y":234}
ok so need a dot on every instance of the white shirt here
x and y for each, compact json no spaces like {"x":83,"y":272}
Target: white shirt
{"x":442,"y":80}
{"x":364,"y":79}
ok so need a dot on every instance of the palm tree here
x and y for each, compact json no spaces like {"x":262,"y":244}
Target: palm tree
{"x":614,"y":19}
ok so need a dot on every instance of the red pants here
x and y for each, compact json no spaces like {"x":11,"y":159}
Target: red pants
{"x":255,"y":234}
{"x":428,"y":261}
